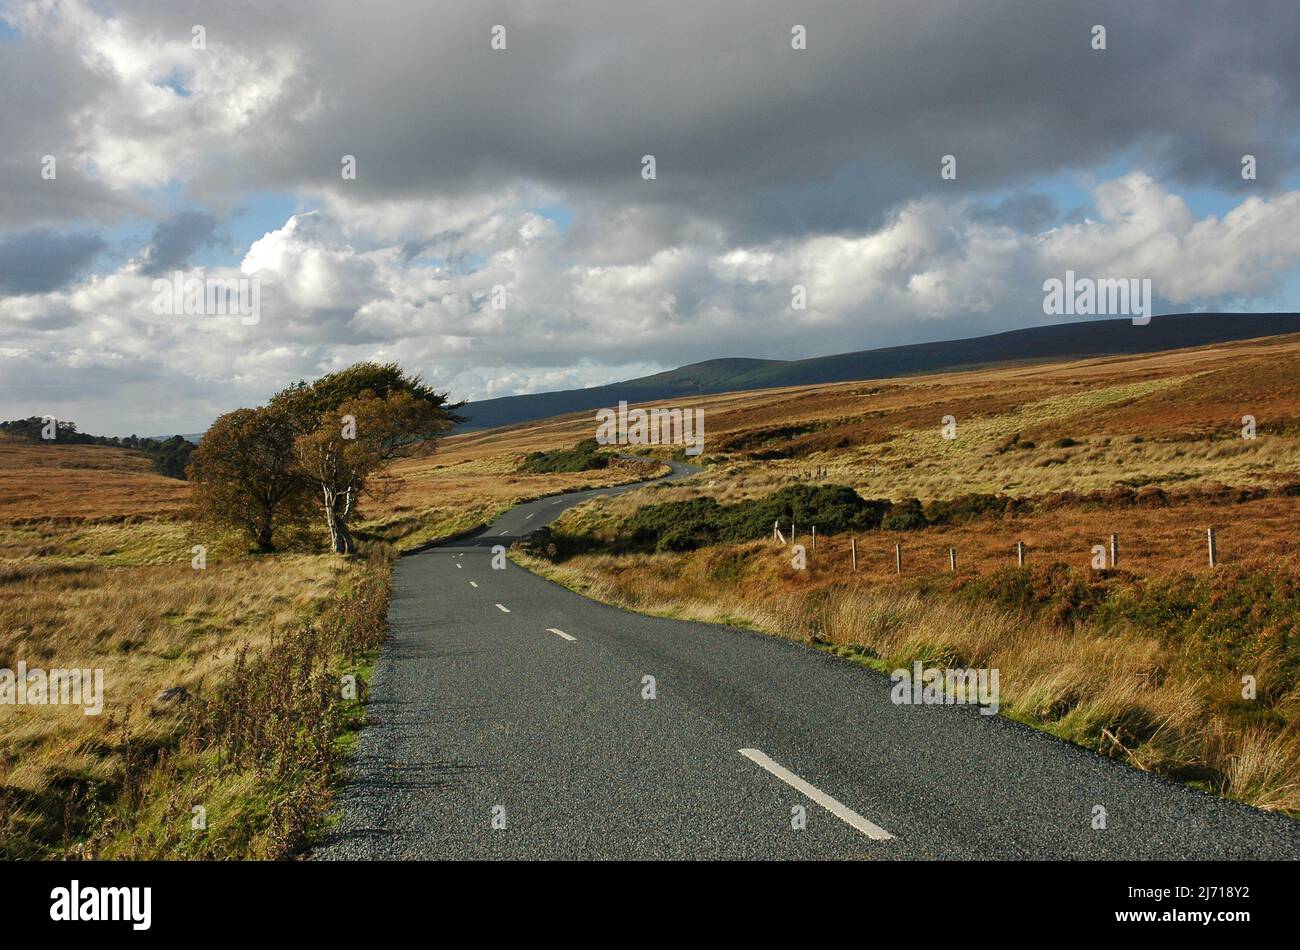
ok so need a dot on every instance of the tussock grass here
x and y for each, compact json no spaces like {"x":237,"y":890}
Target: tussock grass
{"x":260,"y":752}
{"x":149,"y":627}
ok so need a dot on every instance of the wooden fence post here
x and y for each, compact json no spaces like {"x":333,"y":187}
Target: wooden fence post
{"x":1114,"y":550}
{"x":1214,"y":548}
{"x":814,"y":536}
{"x":898,"y":559}
{"x":853,"y":552}
{"x":952,"y":559}
{"x":1020,"y":553}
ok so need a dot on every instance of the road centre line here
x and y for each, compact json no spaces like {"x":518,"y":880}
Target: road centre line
{"x":503,"y":609}
{"x":842,"y":812}
{"x":560,"y":633}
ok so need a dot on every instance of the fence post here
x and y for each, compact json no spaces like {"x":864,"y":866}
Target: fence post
{"x":952,"y":559}
{"x":1114,"y":550}
{"x":1020,"y":553}
{"x":1214,"y":548}
{"x":853,"y":552}
{"x":814,"y":537}
{"x":898,"y":559}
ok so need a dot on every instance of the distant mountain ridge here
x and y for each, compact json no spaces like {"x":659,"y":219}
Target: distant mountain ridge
{"x":1074,"y":340}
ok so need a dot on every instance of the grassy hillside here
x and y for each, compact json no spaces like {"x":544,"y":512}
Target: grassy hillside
{"x":1051,"y":343}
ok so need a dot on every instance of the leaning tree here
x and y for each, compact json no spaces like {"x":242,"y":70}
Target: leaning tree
{"x":349,"y":425}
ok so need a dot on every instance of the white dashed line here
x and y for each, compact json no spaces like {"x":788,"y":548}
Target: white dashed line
{"x":530,"y":516}
{"x":506,"y":531}
{"x":560,"y":502}
{"x":843,"y":813}
{"x":503,"y":608}
{"x":472,"y":584}
{"x":560,"y":633}
{"x":459,"y":568}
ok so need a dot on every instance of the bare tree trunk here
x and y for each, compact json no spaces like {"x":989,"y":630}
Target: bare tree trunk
{"x":340,"y":538}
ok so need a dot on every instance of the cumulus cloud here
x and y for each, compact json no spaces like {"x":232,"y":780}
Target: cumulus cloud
{"x":932,"y":270}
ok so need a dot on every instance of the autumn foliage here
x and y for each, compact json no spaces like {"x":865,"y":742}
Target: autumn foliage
{"x":314,"y":450}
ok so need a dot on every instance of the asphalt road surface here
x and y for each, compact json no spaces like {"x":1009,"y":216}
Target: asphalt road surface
{"x":512,"y":720}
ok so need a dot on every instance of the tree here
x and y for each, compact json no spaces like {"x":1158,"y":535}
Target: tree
{"x":307,"y":403}
{"x":352,"y":443}
{"x":245,"y":476}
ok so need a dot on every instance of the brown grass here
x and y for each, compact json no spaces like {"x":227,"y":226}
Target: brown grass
{"x":95,"y":572}
{"x":44,"y":481}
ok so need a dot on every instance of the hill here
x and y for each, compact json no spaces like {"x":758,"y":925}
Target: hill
{"x":1076,"y":340}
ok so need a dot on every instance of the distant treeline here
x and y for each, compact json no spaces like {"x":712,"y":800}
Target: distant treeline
{"x":170,"y":456}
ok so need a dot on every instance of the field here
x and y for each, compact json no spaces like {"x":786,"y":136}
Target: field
{"x":96,"y":572}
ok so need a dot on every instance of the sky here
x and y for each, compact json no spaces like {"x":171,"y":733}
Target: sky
{"x":500,"y":234}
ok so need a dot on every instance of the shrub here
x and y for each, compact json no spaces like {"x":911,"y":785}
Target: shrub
{"x":832,"y":508}
{"x":1053,"y":591}
{"x":687,"y":525}
{"x":583,"y":457}
{"x":964,"y":508}
{"x":906,"y":515}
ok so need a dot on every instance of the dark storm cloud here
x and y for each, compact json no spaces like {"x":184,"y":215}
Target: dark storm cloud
{"x":768,"y":140}
{"x":37,"y":262}
{"x":763,"y":140}
{"x":176,"y":240}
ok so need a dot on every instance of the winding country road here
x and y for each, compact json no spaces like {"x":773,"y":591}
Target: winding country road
{"x":502,"y":699}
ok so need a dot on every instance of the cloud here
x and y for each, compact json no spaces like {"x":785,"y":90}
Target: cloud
{"x":40,"y":261}
{"x":932,"y":270}
{"x":748,"y":133}
{"x":176,"y":240}
{"x":1024,"y":211}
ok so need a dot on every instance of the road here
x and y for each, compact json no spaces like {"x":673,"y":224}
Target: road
{"x":512,"y":721}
